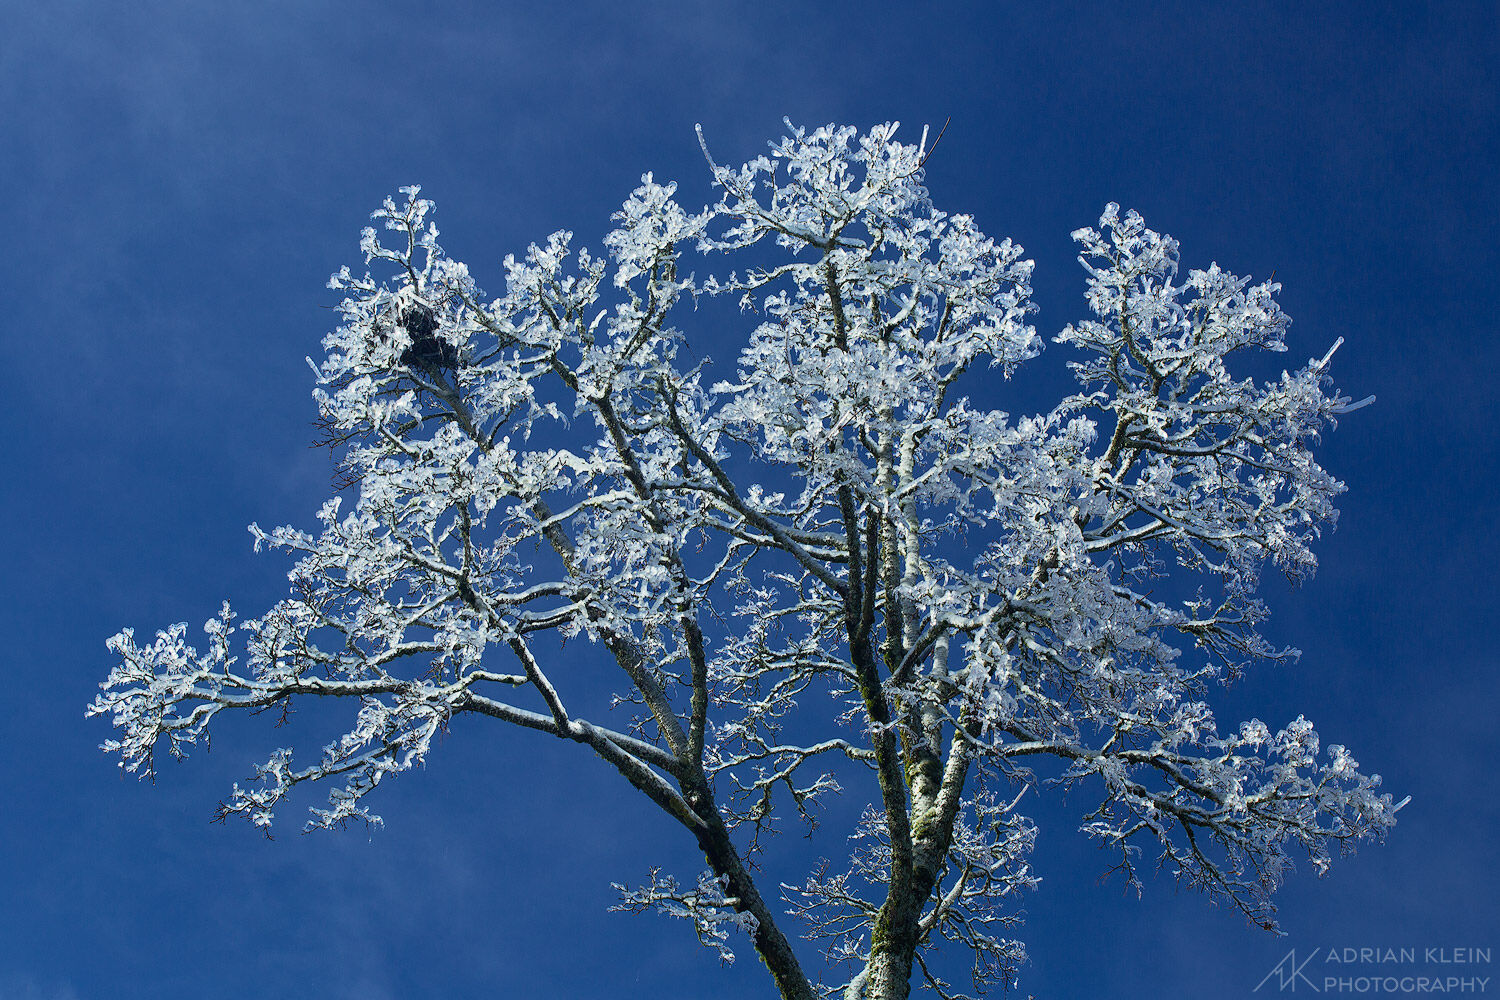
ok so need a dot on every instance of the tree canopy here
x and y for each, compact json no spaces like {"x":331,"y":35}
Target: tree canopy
{"x":825,"y":569}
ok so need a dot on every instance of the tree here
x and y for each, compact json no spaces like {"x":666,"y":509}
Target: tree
{"x":975,"y":591}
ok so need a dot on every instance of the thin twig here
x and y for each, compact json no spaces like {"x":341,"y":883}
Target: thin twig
{"x":935,"y":142}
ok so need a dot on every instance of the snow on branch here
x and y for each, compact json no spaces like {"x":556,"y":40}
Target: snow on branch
{"x":713,"y":914}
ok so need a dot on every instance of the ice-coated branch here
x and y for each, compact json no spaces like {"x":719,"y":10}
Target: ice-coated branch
{"x":712,"y":913}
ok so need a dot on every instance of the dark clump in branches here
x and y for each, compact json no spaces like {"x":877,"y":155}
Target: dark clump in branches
{"x":426,"y":358}
{"x":427,"y":349}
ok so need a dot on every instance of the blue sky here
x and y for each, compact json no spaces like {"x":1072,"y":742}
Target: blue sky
{"x":181,"y":179}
